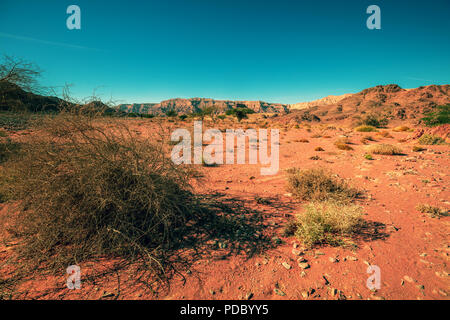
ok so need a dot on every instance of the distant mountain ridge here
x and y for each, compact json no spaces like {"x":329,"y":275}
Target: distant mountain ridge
{"x":385,"y":101}
{"x":183,"y":106}
{"x":328,"y":100}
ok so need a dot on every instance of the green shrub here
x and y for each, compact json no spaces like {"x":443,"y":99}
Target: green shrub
{"x":440,"y":116}
{"x":374,"y":121}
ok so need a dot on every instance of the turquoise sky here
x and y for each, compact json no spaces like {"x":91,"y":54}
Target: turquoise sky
{"x":276,"y":51}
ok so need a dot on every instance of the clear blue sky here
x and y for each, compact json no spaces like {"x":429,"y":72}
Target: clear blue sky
{"x":276,"y":51}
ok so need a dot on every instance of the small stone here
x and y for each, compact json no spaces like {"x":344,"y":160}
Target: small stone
{"x":304,"y":265}
{"x":333,"y":260}
{"x":305,"y":294}
{"x":296,"y":252}
{"x":352,"y":258}
{"x":107,"y":294}
{"x":409,"y":279}
{"x":248,"y":296}
{"x":303,"y":274}
{"x":286,"y":265}
{"x":212,"y":292}
{"x":295,"y":245}
{"x":442,"y":293}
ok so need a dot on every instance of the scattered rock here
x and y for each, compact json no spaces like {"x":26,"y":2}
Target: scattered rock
{"x":107,"y":294}
{"x":304,"y":265}
{"x":297,"y":252}
{"x":409,"y":279}
{"x":286,"y":265}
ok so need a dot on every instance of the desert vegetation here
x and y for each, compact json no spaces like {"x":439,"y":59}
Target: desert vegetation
{"x":385,"y":149}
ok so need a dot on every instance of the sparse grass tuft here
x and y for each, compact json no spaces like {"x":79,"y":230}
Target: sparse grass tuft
{"x":418,"y":149}
{"x":401,"y":129}
{"x":385,"y":149}
{"x":328,"y":223}
{"x":429,"y":139}
{"x":366,"y":139}
{"x":365,"y":128}
{"x":343,"y":144}
{"x":433,"y":212}
{"x":384,"y":134}
{"x":318,"y":185}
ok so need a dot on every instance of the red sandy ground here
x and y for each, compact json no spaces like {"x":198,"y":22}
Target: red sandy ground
{"x":411,"y":248}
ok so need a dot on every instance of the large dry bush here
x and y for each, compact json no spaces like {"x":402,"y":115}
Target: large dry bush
{"x":90,"y":188}
{"x":318,"y":185}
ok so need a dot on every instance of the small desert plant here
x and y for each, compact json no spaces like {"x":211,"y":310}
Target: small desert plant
{"x":384,"y":134}
{"x":429,"y":139}
{"x":328,"y":223}
{"x":366,"y":139}
{"x":343,"y":144}
{"x":366,"y":128}
{"x":401,"y":129}
{"x":431,"y":211}
{"x":368,"y":156}
{"x":418,"y":149}
{"x":318,"y":185}
{"x":374,"y":121}
{"x":385,"y":149}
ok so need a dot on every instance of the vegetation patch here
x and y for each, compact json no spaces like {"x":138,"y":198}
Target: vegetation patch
{"x":385,"y":149}
{"x":433,"y":212}
{"x":87,"y":190}
{"x":331,"y":223}
{"x":429,"y":139}
{"x":343,"y":144}
{"x":401,"y":129}
{"x":318,"y":185}
{"x":418,"y":149}
{"x":438,"y":117}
